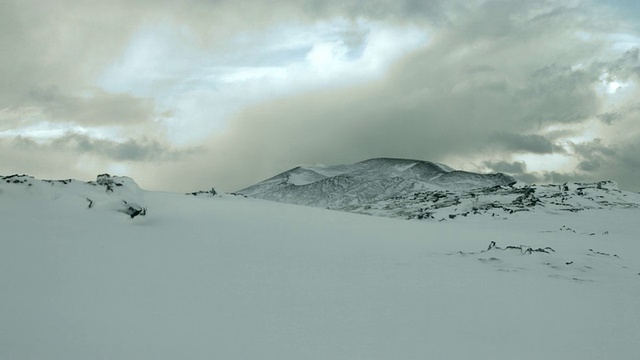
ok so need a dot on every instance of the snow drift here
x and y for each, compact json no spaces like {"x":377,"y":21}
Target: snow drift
{"x":113,"y":193}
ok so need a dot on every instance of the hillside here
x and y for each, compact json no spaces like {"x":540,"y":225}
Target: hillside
{"x":414,"y":189}
{"x":367,"y":181}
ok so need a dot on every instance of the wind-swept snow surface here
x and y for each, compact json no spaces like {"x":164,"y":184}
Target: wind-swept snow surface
{"x":233,"y":278}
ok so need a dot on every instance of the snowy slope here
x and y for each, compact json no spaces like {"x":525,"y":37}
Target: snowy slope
{"x":365,"y":182}
{"x":501,"y":201}
{"x":227,"y":277}
{"x":115,"y":193}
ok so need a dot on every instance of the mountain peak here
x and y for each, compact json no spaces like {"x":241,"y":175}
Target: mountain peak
{"x":373,"y":179}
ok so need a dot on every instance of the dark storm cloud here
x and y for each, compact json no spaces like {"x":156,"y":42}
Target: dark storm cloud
{"x":625,"y":113}
{"x":380,"y":9}
{"x":618,"y":162}
{"x":517,"y":143}
{"x":99,"y":108}
{"x":594,"y":149}
{"x":24,"y":157}
{"x":136,"y":150}
{"x":563,"y":91}
{"x":625,"y":67}
{"x":609,"y":117}
{"x":590,"y":165}
{"x":60,"y":158}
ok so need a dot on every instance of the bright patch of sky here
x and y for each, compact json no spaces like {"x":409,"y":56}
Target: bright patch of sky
{"x":615,"y":92}
{"x":30,"y":122}
{"x":204,"y":87}
{"x":624,"y":42}
{"x":44,"y":131}
{"x":546,"y":162}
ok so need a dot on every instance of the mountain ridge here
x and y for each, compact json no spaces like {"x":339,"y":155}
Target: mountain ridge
{"x":416,"y":189}
{"x":377,"y":178}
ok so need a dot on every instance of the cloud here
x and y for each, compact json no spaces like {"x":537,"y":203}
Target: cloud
{"x":593,"y":148}
{"x":605,"y":160}
{"x":62,"y":44}
{"x":82,"y":157}
{"x":626,"y":66}
{"x":11,"y":118}
{"x":55,"y":53}
{"x":535,"y":144}
{"x":504,"y":71}
{"x":609,"y":117}
{"x":67,"y":43}
{"x":99,"y":108}
{"x":554,"y":177}
{"x":512,"y":168}
{"x":495,"y":71}
{"x":126,"y":151}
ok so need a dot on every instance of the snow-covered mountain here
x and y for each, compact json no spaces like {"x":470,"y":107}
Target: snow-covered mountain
{"x":368,"y":181}
{"x":212,"y":276}
{"x":414,"y":189}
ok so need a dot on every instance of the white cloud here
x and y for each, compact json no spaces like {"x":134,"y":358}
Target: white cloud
{"x":205,"y":87}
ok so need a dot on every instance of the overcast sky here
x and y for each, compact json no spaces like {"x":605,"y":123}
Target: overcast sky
{"x":186,"y":95}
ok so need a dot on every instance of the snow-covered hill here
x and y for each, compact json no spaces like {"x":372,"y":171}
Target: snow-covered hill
{"x":500,"y":201}
{"x":413,"y":189}
{"x":229,"y":277}
{"x":115,"y":193}
{"x":366,"y":182}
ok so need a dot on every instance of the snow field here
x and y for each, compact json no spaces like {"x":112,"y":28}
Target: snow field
{"x":236,"y":278}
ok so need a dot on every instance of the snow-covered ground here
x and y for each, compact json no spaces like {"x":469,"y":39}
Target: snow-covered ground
{"x":228,"y":277}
